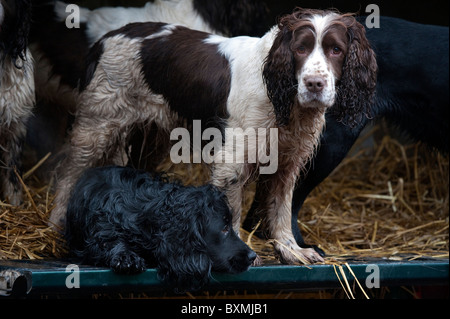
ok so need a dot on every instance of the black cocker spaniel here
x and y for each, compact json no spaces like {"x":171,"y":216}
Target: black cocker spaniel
{"x":128,"y":220}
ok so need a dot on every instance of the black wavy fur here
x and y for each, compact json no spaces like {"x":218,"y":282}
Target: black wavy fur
{"x":14,"y":30}
{"x":234,"y":17}
{"x":128,"y":220}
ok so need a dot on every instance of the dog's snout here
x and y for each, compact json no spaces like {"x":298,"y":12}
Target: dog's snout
{"x":314,"y":84}
{"x":251,"y":256}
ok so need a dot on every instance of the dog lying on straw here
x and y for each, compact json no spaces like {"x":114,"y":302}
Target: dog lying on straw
{"x":128,"y":220}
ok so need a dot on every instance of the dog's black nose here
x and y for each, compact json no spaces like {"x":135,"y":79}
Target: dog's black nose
{"x":314,"y":84}
{"x":251,"y":256}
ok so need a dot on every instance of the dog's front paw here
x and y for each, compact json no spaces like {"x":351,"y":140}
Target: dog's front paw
{"x":257,"y":261}
{"x":292,"y":254}
{"x":127,"y":263}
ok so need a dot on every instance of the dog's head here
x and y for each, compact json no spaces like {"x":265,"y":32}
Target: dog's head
{"x":202,"y":242}
{"x":227,"y":251}
{"x":319,"y":59}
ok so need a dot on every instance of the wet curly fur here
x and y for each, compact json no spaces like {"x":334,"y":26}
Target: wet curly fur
{"x":129,"y":220}
{"x":17,"y":96}
{"x":355,"y":88}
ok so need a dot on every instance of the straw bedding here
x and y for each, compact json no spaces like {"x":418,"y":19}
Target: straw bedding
{"x":385,"y":200}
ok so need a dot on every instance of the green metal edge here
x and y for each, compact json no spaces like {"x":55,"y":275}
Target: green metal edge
{"x":51,"y":276}
{"x":265,"y":277}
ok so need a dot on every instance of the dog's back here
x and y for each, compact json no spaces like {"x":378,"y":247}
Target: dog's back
{"x":99,"y":195}
{"x":412,"y":86}
{"x":128,"y":220}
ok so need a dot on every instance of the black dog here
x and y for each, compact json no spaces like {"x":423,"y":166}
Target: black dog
{"x":128,"y":220}
{"x":412,"y":94}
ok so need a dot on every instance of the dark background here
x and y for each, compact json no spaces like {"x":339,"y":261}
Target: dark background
{"x":429,"y":12}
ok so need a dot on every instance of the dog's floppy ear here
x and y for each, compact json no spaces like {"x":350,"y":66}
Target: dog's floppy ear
{"x":279,"y":74}
{"x":356,"y":90}
{"x":184,"y":267}
{"x":181,"y":255}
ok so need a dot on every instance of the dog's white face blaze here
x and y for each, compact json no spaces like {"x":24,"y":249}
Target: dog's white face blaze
{"x":317,"y":66}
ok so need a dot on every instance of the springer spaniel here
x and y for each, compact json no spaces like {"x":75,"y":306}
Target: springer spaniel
{"x":286,"y":80}
{"x":128,"y":220}
{"x":417,"y":105}
{"x":16,"y":93}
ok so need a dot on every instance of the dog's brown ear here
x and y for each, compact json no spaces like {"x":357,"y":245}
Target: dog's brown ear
{"x":279,"y":75}
{"x":356,"y":90}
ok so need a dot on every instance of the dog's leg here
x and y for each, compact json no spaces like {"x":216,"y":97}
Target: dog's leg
{"x":123,"y":260}
{"x":94,"y":141}
{"x":11,"y":142}
{"x":115,"y":254}
{"x":231,"y":170}
{"x":231,"y":179}
{"x":276,"y":205}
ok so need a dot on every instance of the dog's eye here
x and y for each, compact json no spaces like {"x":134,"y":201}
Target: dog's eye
{"x":336,"y":51}
{"x":301,"y":49}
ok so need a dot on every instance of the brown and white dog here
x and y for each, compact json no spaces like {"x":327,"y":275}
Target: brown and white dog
{"x":16,"y":93}
{"x":160,"y":73}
